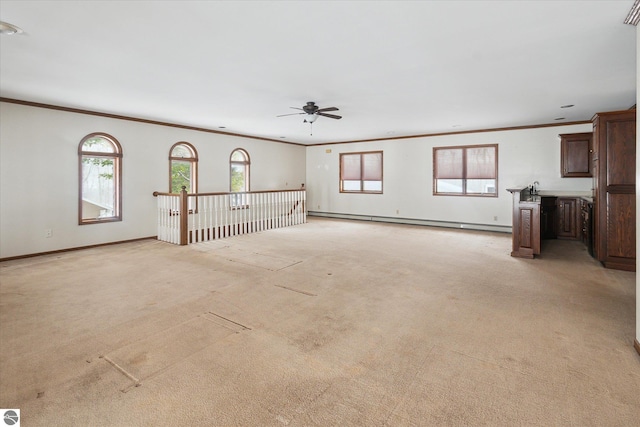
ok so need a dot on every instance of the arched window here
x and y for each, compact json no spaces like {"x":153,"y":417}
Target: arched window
{"x":239,"y":178}
{"x":100,"y":189}
{"x":183,"y":168}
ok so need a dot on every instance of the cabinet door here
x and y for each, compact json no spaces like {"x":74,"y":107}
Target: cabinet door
{"x":567,"y":218}
{"x":576,"y":154}
{"x":583,"y":229}
{"x":615,"y":194}
{"x":527,"y":240}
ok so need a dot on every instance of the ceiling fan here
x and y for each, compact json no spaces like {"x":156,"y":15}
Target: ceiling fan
{"x":312,"y":112}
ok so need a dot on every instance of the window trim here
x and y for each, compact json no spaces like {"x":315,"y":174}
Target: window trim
{"x":194,"y":171}
{"x":362,"y":190}
{"x":464,"y":170}
{"x":117,"y":171}
{"x":233,"y":195}
{"x":247,"y":167}
{"x":193,"y":160}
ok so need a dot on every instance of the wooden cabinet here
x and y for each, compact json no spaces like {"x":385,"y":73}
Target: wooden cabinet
{"x":586,"y":224}
{"x":525,"y":234}
{"x":567,"y":214}
{"x":576,"y":153}
{"x":614,"y":173}
{"x":528,"y":233}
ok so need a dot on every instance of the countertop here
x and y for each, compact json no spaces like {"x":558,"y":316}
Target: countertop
{"x":537,"y":197}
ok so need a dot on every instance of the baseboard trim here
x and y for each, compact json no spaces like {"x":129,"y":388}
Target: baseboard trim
{"x":413,"y":221}
{"x":636,"y":344}
{"x":77,"y":248}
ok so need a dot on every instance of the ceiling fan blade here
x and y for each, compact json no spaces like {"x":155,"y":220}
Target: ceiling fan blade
{"x":332,"y":116}
{"x":296,"y":108}
{"x":292,"y":114}
{"x":321,"y":110}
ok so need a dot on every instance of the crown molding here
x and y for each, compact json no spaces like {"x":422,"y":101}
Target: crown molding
{"x":462,"y":132}
{"x":199,"y":129}
{"x":139,"y":120}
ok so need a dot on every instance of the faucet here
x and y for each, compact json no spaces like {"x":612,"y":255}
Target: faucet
{"x":534,"y":188}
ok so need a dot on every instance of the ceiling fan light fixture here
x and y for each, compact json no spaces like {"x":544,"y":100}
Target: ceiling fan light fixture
{"x":9,"y":29}
{"x":310,"y":118}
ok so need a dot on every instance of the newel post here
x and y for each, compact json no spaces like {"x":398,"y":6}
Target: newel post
{"x":184,"y":217}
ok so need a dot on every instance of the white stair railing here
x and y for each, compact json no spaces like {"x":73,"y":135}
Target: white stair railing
{"x":189,"y":218}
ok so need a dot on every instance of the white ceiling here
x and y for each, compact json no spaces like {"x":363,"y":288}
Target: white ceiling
{"x":393,"y":68}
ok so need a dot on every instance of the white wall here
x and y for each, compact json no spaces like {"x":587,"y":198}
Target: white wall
{"x":524,"y":156}
{"x":39,"y":175}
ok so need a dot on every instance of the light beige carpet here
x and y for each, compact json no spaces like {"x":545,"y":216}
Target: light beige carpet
{"x":323,"y":324}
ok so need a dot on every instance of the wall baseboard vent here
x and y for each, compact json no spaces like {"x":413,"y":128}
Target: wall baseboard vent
{"x":413,"y":221}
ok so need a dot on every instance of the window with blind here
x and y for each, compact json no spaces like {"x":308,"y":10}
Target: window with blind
{"x":361,"y":172}
{"x":466,"y":170}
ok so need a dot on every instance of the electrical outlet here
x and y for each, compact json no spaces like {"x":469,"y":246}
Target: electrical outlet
{"x":495,"y":218}
{"x":48,"y":233}
{"x":397,"y":211}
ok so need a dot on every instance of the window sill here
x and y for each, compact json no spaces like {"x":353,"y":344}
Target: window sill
{"x":360,"y":192}
{"x":90,"y":221}
{"x":465,"y":195}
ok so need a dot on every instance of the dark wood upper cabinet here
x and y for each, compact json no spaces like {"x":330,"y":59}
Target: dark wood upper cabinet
{"x":576,"y":151}
{"x":614,"y":173}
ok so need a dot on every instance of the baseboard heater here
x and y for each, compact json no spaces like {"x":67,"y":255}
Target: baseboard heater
{"x":413,"y":221}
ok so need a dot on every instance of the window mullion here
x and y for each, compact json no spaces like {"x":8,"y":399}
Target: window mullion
{"x":361,"y":173}
{"x":464,"y":171}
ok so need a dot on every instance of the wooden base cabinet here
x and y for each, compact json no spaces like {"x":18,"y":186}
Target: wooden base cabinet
{"x":526,"y":224}
{"x":614,"y":173}
{"x":568,"y":218}
{"x":586,"y":223}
